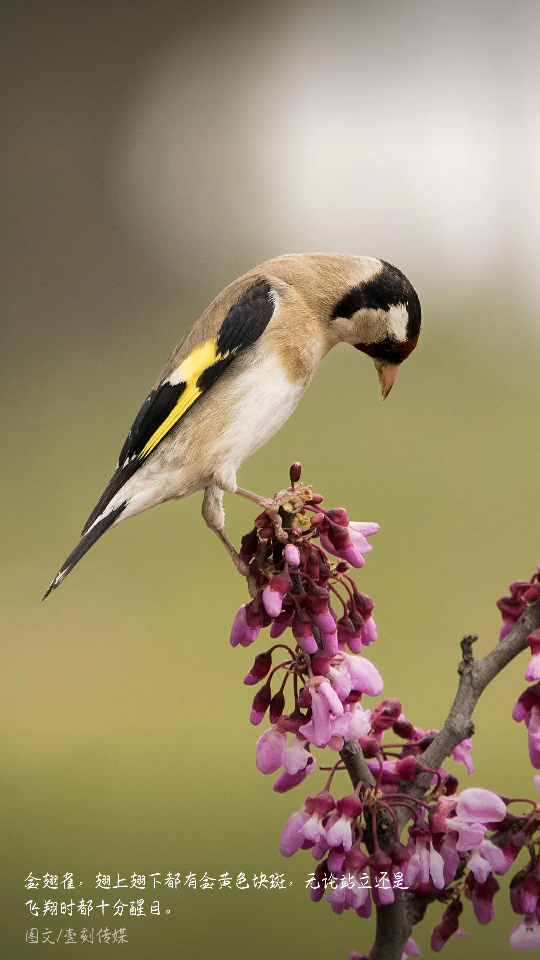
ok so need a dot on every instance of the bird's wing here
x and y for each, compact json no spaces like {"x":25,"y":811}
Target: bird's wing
{"x":188,"y":380}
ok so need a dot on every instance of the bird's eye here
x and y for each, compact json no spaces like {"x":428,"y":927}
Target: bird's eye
{"x":388,"y":350}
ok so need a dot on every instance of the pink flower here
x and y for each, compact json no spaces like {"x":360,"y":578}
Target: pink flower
{"x":475,"y":808}
{"x":425,"y":861}
{"x":339,"y":833}
{"x":270,"y":748}
{"x":526,"y":936}
{"x":350,"y":892}
{"x":524,"y":893}
{"x":533,"y":670}
{"x":346,"y":539}
{"x":482,"y":894}
{"x":484,"y":859}
{"x":448,"y":925}
{"x":292,"y":838}
{"x":411,"y":950}
{"x":527,"y":708}
{"x":450,"y":857}
{"x":476,"y":805}
{"x":360,"y":722}
{"x":369,"y":632}
{"x":297,"y":757}
{"x":364,"y":676}
{"x":460,"y":754}
{"x":241,"y":633}
{"x":306,"y":823}
{"x":318,"y":807}
{"x":522,"y":592}
{"x":326,"y":708}
{"x":533,"y":739}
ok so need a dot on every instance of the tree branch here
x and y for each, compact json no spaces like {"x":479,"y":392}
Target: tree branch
{"x":354,"y":760}
{"x":475,"y":675}
{"x":395,"y":921}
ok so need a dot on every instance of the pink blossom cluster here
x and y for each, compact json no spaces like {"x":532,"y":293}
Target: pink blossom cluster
{"x":457,"y":841}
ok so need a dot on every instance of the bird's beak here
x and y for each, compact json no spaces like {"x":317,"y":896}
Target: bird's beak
{"x":387,"y":375}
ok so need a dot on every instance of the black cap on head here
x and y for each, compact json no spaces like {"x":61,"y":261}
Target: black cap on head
{"x":389,"y":288}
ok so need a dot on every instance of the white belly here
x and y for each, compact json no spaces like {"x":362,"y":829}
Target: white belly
{"x":264,"y":400}
{"x":233,"y":423}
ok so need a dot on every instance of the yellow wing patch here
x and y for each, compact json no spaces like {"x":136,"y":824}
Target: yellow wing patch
{"x":188,"y":372}
{"x":196,"y":363}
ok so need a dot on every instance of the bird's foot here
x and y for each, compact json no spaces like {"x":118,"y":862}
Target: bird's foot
{"x":272,"y":508}
{"x":242,"y":567}
{"x":287,"y":501}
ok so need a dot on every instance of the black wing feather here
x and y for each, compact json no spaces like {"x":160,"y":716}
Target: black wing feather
{"x":244,"y":323}
{"x":155,"y":409}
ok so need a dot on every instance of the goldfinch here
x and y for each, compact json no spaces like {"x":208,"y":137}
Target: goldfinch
{"x":238,"y":374}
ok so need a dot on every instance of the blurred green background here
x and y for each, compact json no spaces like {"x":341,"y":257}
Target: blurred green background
{"x":153,"y":153}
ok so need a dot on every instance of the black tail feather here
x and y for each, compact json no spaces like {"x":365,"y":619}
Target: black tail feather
{"x":117,"y":481}
{"x":84,"y":545}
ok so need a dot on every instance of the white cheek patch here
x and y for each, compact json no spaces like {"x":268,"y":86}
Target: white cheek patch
{"x":397,"y":319}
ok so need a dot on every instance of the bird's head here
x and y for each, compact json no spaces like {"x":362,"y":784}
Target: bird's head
{"x":381,"y":317}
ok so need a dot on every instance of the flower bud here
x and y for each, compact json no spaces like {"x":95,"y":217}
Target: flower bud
{"x":261,"y":702}
{"x":408,"y":768}
{"x":273,"y":593}
{"x":255,"y":615}
{"x":295,"y":472}
{"x":450,"y":785}
{"x":277,"y":706}
{"x":385,"y":715}
{"x":363,"y":604}
{"x":242,"y":632}
{"x":250,"y":545}
{"x":322,"y":875}
{"x":345,"y":629}
{"x":380,"y":861}
{"x":339,"y":516}
{"x":292,"y":555}
{"x":282,"y":622}
{"x":313,"y":566}
{"x":447,"y":926}
{"x":301,"y":628}
{"x":403,"y":728}
{"x":260,"y":668}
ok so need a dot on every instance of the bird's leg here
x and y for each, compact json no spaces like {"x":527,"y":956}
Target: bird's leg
{"x":271,"y":507}
{"x":214,"y":516}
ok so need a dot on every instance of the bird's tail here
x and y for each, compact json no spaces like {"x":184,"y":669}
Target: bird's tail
{"x":88,"y":540}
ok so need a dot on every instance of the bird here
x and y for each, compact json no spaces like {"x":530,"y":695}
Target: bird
{"x":238,"y":374}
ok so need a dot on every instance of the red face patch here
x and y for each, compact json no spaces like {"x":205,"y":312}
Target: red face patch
{"x":387,"y":350}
